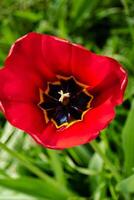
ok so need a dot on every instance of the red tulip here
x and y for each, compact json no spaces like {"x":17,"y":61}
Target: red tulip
{"x":58,"y":92}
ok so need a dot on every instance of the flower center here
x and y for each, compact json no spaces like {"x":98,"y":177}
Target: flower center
{"x":65,"y":102}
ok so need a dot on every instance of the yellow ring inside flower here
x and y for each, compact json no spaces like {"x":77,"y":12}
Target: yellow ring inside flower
{"x":65,"y":102}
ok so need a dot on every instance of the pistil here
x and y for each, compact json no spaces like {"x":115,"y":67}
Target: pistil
{"x":64,"y":96}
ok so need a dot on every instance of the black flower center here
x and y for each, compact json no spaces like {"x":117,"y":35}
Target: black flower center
{"x":65,"y":101}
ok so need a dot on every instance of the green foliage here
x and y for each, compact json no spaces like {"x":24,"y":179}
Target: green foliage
{"x":128,"y":140}
{"x":34,"y":187}
{"x":127,"y":185}
{"x":102,"y":170}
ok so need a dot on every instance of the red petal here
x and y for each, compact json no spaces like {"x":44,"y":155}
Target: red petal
{"x":89,"y":67}
{"x":112,"y":87}
{"x":18,"y":89}
{"x":104,"y":75}
{"x":25,"y":59}
{"x":57,"y":55}
{"x":80,"y":132}
{"x":25,"y":71}
{"x":28,"y":117}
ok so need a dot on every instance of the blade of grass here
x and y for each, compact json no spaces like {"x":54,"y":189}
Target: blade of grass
{"x":130,"y":88}
{"x":111,"y":167}
{"x":128,"y":141}
{"x":35,"y":170}
{"x":83,"y":154}
{"x":57,"y":166}
{"x":80,"y":155}
{"x":7,"y":132}
{"x":34,"y":187}
{"x":126,"y":185}
{"x":81,"y":9}
{"x":127,"y":13}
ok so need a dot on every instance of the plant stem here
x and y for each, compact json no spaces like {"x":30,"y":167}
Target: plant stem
{"x":57,"y":166}
{"x":111,"y":167}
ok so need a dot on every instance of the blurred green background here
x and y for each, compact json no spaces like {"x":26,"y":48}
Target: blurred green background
{"x":103,"y":169}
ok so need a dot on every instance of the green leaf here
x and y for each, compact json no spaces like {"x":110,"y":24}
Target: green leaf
{"x":8,"y":194}
{"x":34,"y":187}
{"x":128,"y":140}
{"x":127,"y":185}
{"x":36,"y":170}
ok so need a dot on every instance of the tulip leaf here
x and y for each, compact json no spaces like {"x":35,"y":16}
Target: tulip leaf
{"x":128,"y":140}
{"x":126,"y":185}
{"x":34,"y":187}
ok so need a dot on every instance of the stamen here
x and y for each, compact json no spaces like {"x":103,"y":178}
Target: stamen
{"x":63,"y":95}
{"x":65,"y":102}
